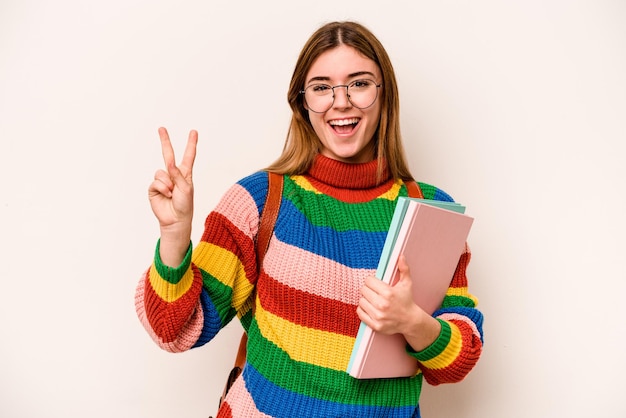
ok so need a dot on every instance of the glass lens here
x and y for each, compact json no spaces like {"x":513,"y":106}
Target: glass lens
{"x":362,"y":93}
{"x":319,"y":97}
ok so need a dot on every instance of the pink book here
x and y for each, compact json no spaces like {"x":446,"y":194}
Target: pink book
{"x":432,"y":240}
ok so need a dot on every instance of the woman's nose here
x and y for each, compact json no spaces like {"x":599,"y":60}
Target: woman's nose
{"x":342,"y":97}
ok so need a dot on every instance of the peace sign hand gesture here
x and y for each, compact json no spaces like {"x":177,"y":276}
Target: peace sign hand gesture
{"x":171,"y":199}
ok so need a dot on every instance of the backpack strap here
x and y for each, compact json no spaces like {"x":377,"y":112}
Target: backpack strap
{"x":413,"y":188}
{"x":269,"y":215}
{"x":266,"y":228}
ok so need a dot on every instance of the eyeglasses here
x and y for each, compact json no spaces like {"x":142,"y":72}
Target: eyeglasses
{"x":360,"y":93}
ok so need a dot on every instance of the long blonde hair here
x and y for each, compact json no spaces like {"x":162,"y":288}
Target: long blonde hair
{"x":302,"y":144}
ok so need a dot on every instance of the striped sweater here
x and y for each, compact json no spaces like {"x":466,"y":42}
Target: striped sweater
{"x":328,"y":237}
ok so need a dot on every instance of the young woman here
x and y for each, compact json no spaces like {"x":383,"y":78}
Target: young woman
{"x":343,"y":167}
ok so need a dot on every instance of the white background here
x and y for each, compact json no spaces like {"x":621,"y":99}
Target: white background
{"x":516,"y":108}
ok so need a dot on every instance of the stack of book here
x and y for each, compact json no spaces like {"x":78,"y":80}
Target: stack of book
{"x":432,"y":235}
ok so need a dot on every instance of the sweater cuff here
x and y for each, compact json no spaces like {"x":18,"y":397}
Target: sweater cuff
{"x":437,"y":347}
{"x":172,"y":274}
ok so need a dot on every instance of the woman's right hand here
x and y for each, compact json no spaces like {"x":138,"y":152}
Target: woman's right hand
{"x":171,"y":199}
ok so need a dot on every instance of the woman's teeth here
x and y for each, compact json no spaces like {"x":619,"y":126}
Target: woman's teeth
{"x":344,"y":122}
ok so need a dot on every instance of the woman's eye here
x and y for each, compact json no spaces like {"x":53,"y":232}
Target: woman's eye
{"x":320,"y":88}
{"x":360,"y":83}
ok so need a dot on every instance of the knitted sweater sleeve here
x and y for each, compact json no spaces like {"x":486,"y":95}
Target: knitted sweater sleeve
{"x":185,"y":306}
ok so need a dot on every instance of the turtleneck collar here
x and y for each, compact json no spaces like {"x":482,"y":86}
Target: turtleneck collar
{"x":342,"y":175}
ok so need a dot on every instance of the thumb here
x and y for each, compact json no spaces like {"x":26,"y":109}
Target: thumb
{"x":405,"y":272}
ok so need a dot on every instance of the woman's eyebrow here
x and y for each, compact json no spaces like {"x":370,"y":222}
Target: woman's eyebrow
{"x":360,"y":73}
{"x":351,"y":75}
{"x":318,"y":78}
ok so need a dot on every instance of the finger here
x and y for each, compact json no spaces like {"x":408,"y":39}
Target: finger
{"x":164,"y":177}
{"x":403,"y":269}
{"x":375,"y":295}
{"x":159,"y":188}
{"x":367,"y":293}
{"x":179,"y":180}
{"x":369,"y":314}
{"x":166,"y":148}
{"x":170,"y":160}
{"x":190,"y":154}
{"x":363,"y":309}
{"x":376,"y":285}
{"x":403,"y":266}
{"x":363,"y":316}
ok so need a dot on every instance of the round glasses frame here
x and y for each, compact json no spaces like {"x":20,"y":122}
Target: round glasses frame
{"x":332,"y":88}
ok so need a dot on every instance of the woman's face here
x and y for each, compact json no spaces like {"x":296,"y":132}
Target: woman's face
{"x":345,"y":131}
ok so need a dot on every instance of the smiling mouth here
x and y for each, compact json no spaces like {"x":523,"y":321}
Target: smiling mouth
{"x":344,"y":126}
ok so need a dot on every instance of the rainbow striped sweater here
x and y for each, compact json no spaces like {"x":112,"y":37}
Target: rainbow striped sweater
{"x":328,"y":237}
